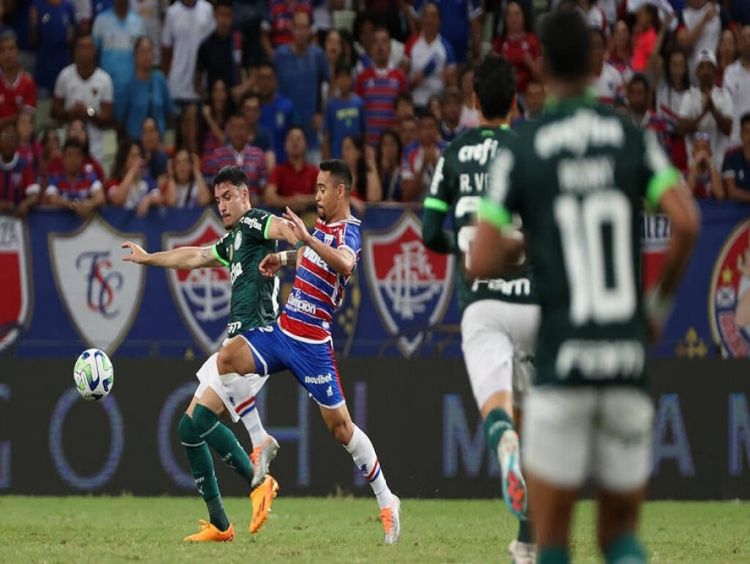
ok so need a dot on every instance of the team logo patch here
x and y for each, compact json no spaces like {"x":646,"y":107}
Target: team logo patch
{"x":410,"y":285}
{"x":101,"y":293}
{"x":203,"y":295}
{"x":655,"y":234}
{"x":729,"y":299}
{"x":15,"y":280}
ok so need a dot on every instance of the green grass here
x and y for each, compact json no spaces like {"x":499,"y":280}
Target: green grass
{"x":94,"y":529}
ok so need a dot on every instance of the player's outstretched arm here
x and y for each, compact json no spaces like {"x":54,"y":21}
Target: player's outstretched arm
{"x":340,"y":260}
{"x":281,"y":230}
{"x":183,"y":258}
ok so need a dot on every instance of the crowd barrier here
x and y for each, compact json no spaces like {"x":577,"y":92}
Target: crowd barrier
{"x":65,"y":288}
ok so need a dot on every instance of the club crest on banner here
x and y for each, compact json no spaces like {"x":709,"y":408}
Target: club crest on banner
{"x":410,"y":284}
{"x":729,"y":298}
{"x":101,"y":293}
{"x":203,"y":295}
{"x":15,"y":280}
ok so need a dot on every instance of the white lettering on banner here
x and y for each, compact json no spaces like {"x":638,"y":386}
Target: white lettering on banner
{"x":578,"y":133}
{"x":601,"y":360}
{"x":656,"y":231}
{"x":101,"y":292}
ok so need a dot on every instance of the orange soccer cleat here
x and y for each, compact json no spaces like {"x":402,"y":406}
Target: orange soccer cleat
{"x":209,"y":533}
{"x":261,"y":499}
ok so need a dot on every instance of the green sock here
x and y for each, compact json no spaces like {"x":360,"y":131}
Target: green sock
{"x":220,"y":438}
{"x":498,"y":421}
{"x":553,"y":555}
{"x":625,"y":548}
{"x":202,"y":467}
{"x":524,"y":532}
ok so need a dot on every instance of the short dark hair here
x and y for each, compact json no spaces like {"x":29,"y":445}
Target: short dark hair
{"x":73,"y":143}
{"x":495,"y":86}
{"x":342,"y":68}
{"x":403,"y":97}
{"x":339,"y":171}
{"x":639,"y":77}
{"x":233,"y":175}
{"x":566,"y":44}
{"x":293,"y":127}
{"x":223,"y":4}
{"x":745,"y":119}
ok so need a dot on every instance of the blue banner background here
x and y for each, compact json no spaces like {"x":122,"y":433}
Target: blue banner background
{"x":159,"y":330}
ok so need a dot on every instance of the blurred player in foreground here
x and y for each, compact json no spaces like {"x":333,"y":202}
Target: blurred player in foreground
{"x":500,"y":315}
{"x":252,"y":234}
{"x":578,"y":177}
{"x":301,"y":340}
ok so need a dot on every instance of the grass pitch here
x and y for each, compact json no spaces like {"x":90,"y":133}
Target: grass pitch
{"x":98,"y":529}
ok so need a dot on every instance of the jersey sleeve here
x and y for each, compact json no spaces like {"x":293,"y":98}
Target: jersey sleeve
{"x":504,"y":194}
{"x":255,"y":224}
{"x":219,"y":250}
{"x":659,"y":173}
{"x":351,"y":241}
{"x":439,"y":196}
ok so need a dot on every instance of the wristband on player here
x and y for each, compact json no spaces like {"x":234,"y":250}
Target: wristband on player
{"x":282,"y":258}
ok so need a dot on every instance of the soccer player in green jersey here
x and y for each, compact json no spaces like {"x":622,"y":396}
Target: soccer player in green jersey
{"x":578,"y":177}
{"x":252,"y":234}
{"x":499,"y":315}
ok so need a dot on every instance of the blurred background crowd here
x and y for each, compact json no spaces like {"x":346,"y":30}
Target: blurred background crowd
{"x":138,"y":103}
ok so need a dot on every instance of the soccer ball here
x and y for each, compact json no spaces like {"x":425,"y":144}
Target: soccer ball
{"x":93,"y":375}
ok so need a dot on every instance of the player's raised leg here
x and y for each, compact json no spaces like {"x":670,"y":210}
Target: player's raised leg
{"x":358,"y":444}
{"x":218,"y":527}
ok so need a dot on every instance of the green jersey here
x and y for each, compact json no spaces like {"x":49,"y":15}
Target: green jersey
{"x":458,"y":185}
{"x":578,"y":177}
{"x":255,"y":298}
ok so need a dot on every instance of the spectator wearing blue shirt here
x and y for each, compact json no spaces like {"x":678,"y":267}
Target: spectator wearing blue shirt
{"x":736,"y":168}
{"x":301,"y":69}
{"x":147,"y":95}
{"x":344,"y":114}
{"x":52,"y":32}
{"x":277,"y":113}
{"x":259,"y":136}
{"x":115,"y":32}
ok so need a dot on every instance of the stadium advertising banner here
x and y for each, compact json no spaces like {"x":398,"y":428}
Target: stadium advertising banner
{"x":66,"y":289}
{"x":420,"y":414}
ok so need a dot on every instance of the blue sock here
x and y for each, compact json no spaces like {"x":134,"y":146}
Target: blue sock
{"x":553,"y":555}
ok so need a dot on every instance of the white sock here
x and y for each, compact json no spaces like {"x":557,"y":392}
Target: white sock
{"x":242,"y":391}
{"x":366,"y":460}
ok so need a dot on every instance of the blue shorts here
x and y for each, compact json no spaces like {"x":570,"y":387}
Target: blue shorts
{"x":313,"y":364}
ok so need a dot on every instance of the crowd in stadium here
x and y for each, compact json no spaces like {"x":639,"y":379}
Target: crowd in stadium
{"x":137,"y":103}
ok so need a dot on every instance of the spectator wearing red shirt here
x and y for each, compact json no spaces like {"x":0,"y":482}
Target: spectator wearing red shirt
{"x":519,"y":46}
{"x":277,"y":29}
{"x":29,"y":148}
{"x":645,"y":36}
{"x":238,"y":152}
{"x":379,"y":85}
{"x":17,"y":88}
{"x":18,"y":189}
{"x":293,"y":182}
{"x":76,"y":129}
{"x":75,"y":189}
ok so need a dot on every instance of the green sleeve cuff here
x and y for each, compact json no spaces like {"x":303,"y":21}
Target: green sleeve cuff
{"x":218,"y":257}
{"x":267,"y":228}
{"x":299,"y":244}
{"x":435,"y":204}
{"x":495,"y":214}
{"x":660,"y":183}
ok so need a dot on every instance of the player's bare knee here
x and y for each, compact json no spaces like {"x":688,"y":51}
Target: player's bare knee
{"x":227,"y":360}
{"x":342,"y":430}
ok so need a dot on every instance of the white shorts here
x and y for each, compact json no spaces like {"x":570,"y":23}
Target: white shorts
{"x":498,"y":343}
{"x":571,"y":433}
{"x":236,"y":392}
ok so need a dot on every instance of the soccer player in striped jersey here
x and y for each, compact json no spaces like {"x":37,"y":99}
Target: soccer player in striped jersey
{"x":578,"y":177}
{"x":252,"y":233}
{"x":301,"y":340}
